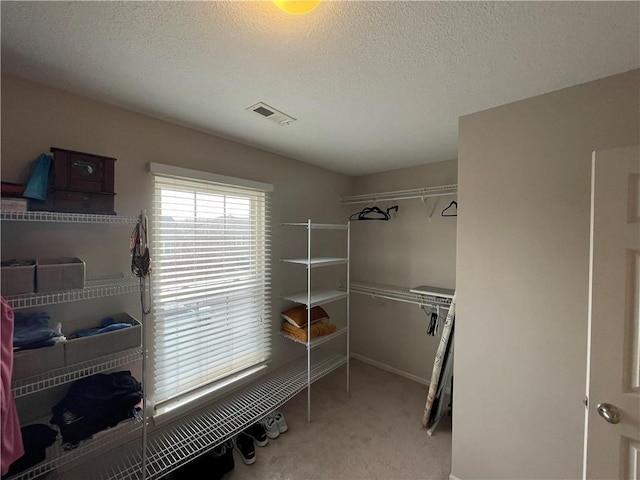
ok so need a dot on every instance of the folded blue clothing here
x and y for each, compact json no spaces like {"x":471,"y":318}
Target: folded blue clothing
{"x":95,"y":331}
{"x":34,"y":345}
{"x":32,"y":329}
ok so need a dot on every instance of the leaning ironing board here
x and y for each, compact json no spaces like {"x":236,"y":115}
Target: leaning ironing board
{"x":441,"y":376}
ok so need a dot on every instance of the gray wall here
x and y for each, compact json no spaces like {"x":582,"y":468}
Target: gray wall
{"x":522,"y":277}
{"x":35,"y":118}
{"x":406,"y":251}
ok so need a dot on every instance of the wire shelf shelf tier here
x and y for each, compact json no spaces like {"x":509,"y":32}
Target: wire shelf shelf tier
{"x":60,"y":376}
{"x":57,"y":456}
{"x":174,"y":445}
{"x":400,"y":294}
{"x":425,"y":192}
{"x":318,"y":226}
{"x":67,"y":217}
{"x":318,"y":340}
{"x":317,"y":262}
{"x":318,"y":297}
{"x":96,"y":288}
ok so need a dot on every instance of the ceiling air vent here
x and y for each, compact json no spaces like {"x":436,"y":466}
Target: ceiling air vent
{"x":271,"y":113}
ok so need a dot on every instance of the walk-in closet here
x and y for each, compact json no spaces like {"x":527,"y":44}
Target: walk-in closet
{"x":313,"y":240}
{"x":336,"y":257}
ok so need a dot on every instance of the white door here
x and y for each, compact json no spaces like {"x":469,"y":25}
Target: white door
{"x":612,"y":436}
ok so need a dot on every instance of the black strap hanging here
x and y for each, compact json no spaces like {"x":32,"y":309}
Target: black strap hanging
{"x":140,"y":258}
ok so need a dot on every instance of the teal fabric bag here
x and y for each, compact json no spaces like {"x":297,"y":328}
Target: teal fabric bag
{"x":38,"y":182}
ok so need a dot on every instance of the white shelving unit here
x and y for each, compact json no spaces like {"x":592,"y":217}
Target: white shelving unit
{"x":57,"y":456}
{"x":171,"y":446}
{"x":311,"y":297}
{"x":422,"y":193}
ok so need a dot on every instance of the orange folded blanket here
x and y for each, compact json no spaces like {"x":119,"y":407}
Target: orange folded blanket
{"x":317,"y":330}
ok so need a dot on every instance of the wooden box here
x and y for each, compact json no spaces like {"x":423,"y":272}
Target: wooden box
{"x":82,"y":172}
{"x":68,"y":201}
{"x":81,"y":183}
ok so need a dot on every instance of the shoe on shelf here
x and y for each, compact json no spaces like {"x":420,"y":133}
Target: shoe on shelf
{"x":270,"y":426}
{"x":244,"y":444}
{"x":257,"y":433}
{"x":194,"y":468}
{"x":282,"y":423}
{"x":223,"y":456}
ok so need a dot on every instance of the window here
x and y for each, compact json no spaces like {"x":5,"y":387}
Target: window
{"x":210,"y":281}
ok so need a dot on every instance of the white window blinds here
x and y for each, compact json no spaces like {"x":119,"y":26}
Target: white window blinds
{"x":211,"y":282}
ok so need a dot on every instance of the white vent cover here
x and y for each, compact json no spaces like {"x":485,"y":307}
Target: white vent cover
{"x":271,"y":113}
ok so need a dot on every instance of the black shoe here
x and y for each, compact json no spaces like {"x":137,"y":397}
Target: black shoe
{"x":245,"y":447}
{"x":193,"y":469}
{"x":223,"y":456}
{"x":258,"y":433}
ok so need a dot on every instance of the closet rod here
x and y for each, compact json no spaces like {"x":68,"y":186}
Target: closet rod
{"x":399,"y":294}
{"x":424,"y":192}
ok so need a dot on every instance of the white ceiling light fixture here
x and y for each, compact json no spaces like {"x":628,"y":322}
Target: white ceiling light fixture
{"x":271,"y":113}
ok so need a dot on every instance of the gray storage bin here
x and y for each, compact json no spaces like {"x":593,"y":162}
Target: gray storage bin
{"x":18,"y":277}
{"x":88,"y":348}
{"x":53,"y":274}
{"x":27,"y":363}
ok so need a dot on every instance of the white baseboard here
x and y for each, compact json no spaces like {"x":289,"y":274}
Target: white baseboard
{"x":453,"y":477}
{"x":384,"y":366}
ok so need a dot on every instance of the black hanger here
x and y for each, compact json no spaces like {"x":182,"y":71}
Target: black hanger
{"x":373,"y":213}
{"x":452,"y":204}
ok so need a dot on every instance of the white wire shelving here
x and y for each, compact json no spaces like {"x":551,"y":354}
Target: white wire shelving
{"x":66,"y":217}
{"x":57,"y":456}
{"x":170,"y":447}
{"x":437,"y":298}
{"x":315,"y":342}
{"x":317,"y":261}
{"x":95,"y":288}
{"x":422,"y":193}
{"x":60,"y":376}
{"x":318,"y":226}
{"x":317,"y":297}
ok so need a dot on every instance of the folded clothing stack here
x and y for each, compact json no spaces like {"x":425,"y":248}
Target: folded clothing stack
{"x":34,"y":331}
{"x":107,"y":324}
{"x":297,"y":316}
{"x":317,"y":330}
{"x":96,"y":403}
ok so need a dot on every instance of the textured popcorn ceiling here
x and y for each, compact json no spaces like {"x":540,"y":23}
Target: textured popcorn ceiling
{"x":374,"y":85}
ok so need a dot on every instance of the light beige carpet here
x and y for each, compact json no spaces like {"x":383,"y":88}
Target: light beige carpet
{"x":374,"y":432}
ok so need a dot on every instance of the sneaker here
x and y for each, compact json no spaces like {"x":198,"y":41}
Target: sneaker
{"x":223,"y":456}
{"x":245,"y":447}
{"x":257,"y":433}
{"x":194,"y":468}
{"x":282,"y":423}
{"x":270,"y":426}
